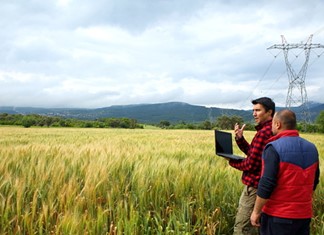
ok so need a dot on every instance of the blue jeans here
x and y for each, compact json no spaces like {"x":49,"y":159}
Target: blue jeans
{"x":271,"y":225}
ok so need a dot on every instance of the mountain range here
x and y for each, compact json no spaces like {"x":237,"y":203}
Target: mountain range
{"x":173,"y":112}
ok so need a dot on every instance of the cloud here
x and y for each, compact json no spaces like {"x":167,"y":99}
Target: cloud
{"x":69,"y":53}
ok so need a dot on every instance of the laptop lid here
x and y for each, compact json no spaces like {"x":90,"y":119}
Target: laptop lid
{"x":224,"y":146}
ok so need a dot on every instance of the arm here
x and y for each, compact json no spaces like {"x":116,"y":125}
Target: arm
{"x":239,"y":138}
{"x":316,"y":181}
{"x":256,"y":214}
{"x":267,"y":182}
{"x":243,"y":145}
{"x":253,"y":160}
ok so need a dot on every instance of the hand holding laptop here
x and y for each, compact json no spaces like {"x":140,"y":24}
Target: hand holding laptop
{"x":223,"y":145}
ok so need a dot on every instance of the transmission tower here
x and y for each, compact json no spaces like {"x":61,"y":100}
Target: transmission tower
{"x":297,"y":95}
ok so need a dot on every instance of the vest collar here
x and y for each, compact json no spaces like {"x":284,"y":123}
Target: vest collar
{"x":285,"y":133}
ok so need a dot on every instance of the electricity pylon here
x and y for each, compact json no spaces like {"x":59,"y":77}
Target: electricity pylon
{"x":297,"y":95}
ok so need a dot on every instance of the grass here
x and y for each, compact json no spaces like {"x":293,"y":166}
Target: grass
{"x":108,"y":181}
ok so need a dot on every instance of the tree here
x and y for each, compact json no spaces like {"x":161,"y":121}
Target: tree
{"x":164,"y":124}
{"x":227,"y":122}
{"x":28,"y":121}
{"x":320,"y":121}
{"x":206,"y":125}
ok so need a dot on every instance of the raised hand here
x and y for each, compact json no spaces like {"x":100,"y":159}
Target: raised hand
{"x":238,"y":131}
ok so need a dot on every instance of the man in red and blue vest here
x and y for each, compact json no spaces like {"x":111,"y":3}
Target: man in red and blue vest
{"x":290,"y":174}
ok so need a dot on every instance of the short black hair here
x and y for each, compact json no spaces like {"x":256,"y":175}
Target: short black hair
{"x":267,"y":103}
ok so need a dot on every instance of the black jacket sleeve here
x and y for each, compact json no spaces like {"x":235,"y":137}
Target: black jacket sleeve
{"x":268,"y":179}
{"x":316,"y":181}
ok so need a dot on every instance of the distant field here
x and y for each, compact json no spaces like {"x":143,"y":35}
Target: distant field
{"x":117,"y":181}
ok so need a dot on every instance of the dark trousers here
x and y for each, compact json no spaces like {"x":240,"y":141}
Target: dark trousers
{"x":271,"y":225}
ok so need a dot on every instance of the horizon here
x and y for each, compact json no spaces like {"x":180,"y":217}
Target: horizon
{"x":142,"y":104}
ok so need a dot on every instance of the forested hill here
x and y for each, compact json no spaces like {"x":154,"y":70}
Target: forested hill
{"x":149,"y":113}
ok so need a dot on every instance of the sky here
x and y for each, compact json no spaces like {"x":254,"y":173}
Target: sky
{"x":93,"y":54}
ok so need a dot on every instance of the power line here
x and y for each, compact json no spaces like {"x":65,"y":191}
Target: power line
{"x":262,"y":77}
{"x":297,"y":80}
{"x":281,"y":75}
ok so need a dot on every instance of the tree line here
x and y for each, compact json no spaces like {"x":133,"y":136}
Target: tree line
{"x":227,"y":123}
{"x":222,"y":122}
{"x":48,"y":121}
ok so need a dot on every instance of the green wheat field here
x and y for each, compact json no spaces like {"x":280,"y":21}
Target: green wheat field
{"x":117,"y":181}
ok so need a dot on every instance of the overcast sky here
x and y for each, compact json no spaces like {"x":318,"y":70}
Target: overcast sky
{"x":98,"y":53}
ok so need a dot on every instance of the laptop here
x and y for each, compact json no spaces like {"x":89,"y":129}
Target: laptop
{"x":224,"y":146}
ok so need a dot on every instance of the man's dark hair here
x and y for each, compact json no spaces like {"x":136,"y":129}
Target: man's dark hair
{"x":287,"y":118}
{"x":267,"y":103}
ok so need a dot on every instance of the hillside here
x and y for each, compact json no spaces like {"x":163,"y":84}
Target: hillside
{"x":151,"y":113}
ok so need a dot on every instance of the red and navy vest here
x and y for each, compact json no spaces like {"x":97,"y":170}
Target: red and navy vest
{"x":292,"y":197}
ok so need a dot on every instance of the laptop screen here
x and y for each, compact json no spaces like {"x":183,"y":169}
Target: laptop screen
{"x":223,"y":142}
